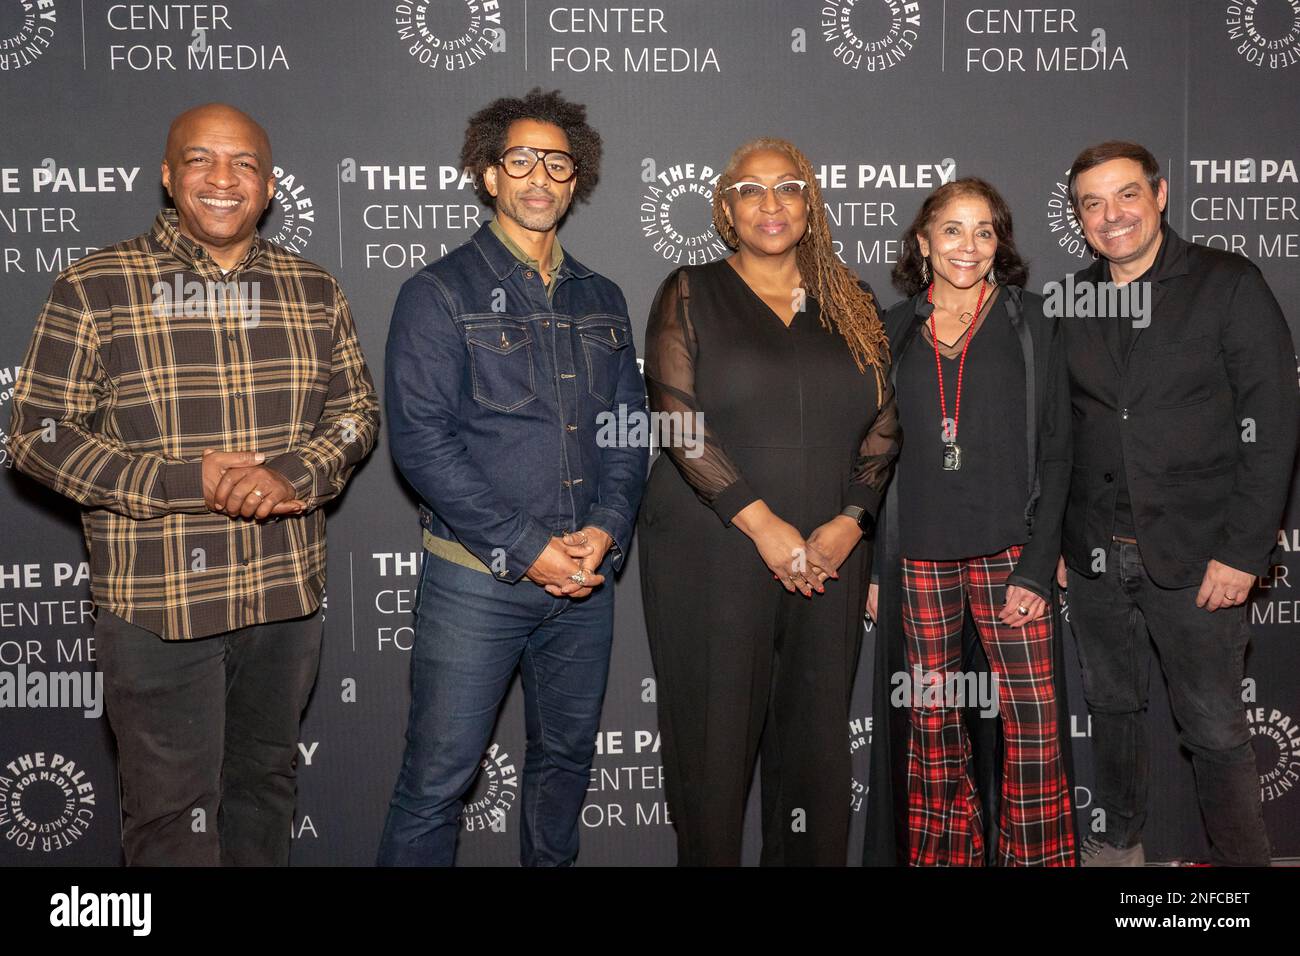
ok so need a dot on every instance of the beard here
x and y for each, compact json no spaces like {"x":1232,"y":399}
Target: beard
{"x":538,"y":220}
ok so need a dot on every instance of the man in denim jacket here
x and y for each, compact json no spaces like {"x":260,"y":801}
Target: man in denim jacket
{"x":504,"y":359}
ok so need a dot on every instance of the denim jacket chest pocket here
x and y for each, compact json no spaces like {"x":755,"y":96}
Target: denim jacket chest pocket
{"x":501,"y":360}
{"x":604,"y":341}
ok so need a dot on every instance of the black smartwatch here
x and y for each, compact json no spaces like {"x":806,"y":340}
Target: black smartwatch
{"x":859,"y":515}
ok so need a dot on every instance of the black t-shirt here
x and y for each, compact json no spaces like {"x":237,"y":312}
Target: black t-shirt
{"x":978,"y":509}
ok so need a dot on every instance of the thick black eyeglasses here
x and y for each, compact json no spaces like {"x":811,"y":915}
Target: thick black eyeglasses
{"x":520,"y":161}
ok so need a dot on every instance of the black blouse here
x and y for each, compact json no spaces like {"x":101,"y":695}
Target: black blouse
{"x":979,"y":508}
{"x":778,"y":402}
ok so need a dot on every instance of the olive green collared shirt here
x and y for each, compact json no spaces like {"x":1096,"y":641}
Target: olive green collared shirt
{"x":557,"y":255}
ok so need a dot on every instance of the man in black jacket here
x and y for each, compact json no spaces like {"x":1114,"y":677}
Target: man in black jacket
{"x":1183,"y":386}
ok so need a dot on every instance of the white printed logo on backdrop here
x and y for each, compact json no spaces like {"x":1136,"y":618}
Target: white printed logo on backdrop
{"x":495,"y":791}
{"x":291,"y":222}
{"x":1265,"y":33}
{"x":870,"y":36}
{"x":46,"y":802}
{"x":1063,"y":224}
{"x":26,"y":31}
{"x":8,"y":382}
{"x":452,"y":34}
{"x":676,"y":212}
{"x":1276,"y":738}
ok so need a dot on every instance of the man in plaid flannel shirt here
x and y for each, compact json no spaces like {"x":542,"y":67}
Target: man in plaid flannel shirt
{"x":201,"y":393}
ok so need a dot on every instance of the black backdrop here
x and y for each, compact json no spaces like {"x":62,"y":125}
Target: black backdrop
{"x":366,"y":104}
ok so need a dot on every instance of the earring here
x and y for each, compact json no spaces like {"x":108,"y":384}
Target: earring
{"x":925,"y":272}
{"x":993,"y":280}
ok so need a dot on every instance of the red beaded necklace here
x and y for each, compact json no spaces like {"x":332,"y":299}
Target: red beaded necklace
{"x":951,"y":450}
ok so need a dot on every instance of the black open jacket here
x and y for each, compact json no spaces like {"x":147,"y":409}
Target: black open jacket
{"x":1167,"y":409}
{"x":1047,"y":438}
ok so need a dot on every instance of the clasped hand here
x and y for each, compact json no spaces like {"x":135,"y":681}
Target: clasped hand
{"x":562,"y":558}
{"x":801,"y":564}
{"x":237,"y":484}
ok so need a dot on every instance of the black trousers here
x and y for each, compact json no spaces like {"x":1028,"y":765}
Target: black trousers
{"x":207,"y":738}
{"x":745,"y":668}
{"x":1116,"y":617}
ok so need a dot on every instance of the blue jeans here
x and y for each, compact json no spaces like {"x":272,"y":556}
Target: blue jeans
{"x":471,"y":633}
{"x":1202,"y":655}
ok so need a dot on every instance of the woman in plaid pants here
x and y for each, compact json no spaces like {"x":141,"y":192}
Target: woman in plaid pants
{"x":973,"y":527}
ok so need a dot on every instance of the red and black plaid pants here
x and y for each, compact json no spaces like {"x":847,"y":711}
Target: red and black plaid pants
{"x":945,"y":819}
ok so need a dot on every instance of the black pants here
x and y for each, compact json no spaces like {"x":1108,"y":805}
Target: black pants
{"x":1202,"y":655}
{"x":207,"y":738}
{"x":745,"y":667}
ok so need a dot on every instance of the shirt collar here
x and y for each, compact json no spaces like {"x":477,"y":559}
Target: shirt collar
{"x":503,"y":261}
{"x":167,"y":233}
{"x":557,"y":254}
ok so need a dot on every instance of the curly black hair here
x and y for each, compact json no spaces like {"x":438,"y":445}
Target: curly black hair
{"x":485,"y":137}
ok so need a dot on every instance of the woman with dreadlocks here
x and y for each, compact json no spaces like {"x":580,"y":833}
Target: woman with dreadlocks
{"x":753,"y":576}
{"x":972,"y":525}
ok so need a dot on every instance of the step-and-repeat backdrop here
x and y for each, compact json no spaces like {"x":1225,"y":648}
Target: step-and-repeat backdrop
{"x":366,"y":103}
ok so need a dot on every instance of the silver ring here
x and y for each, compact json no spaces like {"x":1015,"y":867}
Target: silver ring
{"x":260,"y":494}
{"x":579,"y":577}
{"x":1022,"y":609}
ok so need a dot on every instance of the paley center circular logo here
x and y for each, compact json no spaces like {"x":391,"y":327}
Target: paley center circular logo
{"x":46,"y":802}
{"x":870,"y":35}
{"x":8,"y":382}
{"x":859,"y":737}
{"x":450,"y":34}
{"x":676,"y":212}
{"x":291,"y":219}
{"x":1063,"y":223}
{"x":1276,"y":739}
{"x":1266,"y":32}
{"x":26,"y":31}
{"x":495,"y":791}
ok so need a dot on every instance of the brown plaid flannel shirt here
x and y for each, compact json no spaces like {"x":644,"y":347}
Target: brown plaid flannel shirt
{"x":125,"y":384}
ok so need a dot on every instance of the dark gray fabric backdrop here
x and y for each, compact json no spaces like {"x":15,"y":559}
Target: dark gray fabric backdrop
{"x":366,"y":103}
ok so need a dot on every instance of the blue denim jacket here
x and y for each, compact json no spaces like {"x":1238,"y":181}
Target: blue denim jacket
{"x":492,"y":397}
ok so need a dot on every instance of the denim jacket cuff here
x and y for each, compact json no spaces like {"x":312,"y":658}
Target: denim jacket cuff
{"x":616,"y":526}
{"x":520,"y":556}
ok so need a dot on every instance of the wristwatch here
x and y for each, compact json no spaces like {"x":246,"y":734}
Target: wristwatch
{"x":858,"y":514}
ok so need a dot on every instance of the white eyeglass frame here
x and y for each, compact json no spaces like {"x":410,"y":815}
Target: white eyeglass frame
{"x":803,"y":189}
